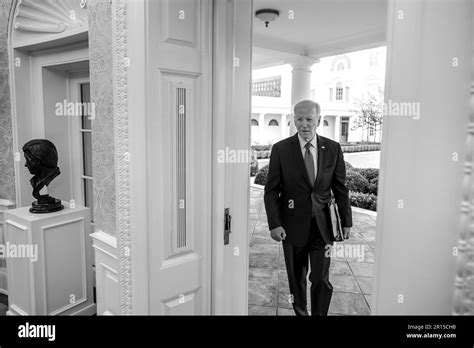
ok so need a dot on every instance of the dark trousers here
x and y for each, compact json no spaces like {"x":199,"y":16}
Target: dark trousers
{"x":296,"y":260}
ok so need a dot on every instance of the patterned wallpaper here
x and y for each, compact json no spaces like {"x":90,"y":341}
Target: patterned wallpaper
{"x":101,"y":69}
{"x":7,"y":171}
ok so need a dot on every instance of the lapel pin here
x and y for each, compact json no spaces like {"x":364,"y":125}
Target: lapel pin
{"x":322,"y":147}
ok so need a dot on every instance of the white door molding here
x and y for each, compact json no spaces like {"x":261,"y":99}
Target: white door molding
{"x":463,"y":294}
{"x":231,"y":129}
{"x":122,"y":179}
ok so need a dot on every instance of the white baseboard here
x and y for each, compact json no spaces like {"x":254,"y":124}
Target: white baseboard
{"x":106,"y":273}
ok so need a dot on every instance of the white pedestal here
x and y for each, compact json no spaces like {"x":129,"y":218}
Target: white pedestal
{"x":52,"y":271}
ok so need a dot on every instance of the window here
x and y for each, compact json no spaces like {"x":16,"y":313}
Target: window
{"x":268,"y":87}
{"x":86,"y":145}
{"x":273,"y":123}
{"x":340,"y":63}
{"x":288,"y":123}
{"x":339,"y":91}
{"x":371,"y":131}
{"x":254,"y":122}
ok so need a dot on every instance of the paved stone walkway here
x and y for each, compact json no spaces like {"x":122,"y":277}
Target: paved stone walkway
{"x":351,"y":277}
{"x":368,"y":159}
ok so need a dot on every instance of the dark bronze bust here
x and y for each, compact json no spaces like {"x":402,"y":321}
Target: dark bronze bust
{"x":42,"y":161}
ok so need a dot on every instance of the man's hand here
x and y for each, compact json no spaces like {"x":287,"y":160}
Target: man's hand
{"x":346,"y":231}
{"x":278,"y":234}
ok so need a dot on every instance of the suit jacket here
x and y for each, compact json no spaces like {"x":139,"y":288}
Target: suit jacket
{"x":289,"y":192}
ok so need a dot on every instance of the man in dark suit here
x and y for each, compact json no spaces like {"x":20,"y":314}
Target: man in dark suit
{"x":303,"y":170}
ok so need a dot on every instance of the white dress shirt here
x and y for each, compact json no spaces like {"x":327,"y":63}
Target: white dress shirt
{"x":312,"y":149}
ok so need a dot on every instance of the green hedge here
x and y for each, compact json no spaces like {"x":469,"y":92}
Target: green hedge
{"x":261,"y":151}
{"x":369,"y":183}
{"x":253,"y":167}
{"x":360,"y":148}
{"x":261,"y":178}
{"x":368,"y":173}
{"x":363,"y":200}
{"x":263,"y":154}
{"x":356,"y":182}
{"x":361,"y":182}
{"x":261,"y":147}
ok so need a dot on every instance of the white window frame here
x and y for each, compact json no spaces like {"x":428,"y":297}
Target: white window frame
{"x":75,"y":80}
{"x":341,"y":87}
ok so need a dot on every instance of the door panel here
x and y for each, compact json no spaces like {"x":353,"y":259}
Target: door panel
{"x":179,"y":155}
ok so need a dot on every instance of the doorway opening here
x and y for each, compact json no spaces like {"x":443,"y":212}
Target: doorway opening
{"x":325,"y":74}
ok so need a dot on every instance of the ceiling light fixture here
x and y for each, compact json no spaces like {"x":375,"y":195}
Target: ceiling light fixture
{"x":267,"y":15}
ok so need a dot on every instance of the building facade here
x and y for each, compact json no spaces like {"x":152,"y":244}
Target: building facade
{"x":338,"y":84}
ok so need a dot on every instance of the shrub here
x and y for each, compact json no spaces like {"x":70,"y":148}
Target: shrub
{"x":253,"y":167}
{"x":373,"y":186}
{"x":261,"y":147}
{"x":362,"y":192}
{"x":263,"y":154}
{"x":363,"y":200}
{"x":261,"y":178}
{"x":368,"y":173}
{"x":349,"y":166}
{"x":356,"y":182}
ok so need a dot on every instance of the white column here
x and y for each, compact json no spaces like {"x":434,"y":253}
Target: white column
{"x":283,"y":126}
{"x":337,"y":127}
{"x":300,"y":83}
{"x":413,"y":216}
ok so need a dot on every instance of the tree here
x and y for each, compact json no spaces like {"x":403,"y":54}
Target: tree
{"x":369,"y":110}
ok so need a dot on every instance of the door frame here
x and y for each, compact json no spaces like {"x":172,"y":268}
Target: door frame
{"x":232,"y":40}
{"x":24,"y":104}
{"x":229,"y":274}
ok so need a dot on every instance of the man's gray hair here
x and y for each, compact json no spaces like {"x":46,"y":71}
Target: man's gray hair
{"x":307,"y":105}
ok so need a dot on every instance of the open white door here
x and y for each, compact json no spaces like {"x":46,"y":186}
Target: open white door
{"x":179,"y":134}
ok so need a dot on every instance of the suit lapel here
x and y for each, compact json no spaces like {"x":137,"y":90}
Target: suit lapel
{"x":299,"y":158}
{"x":321,"y":148}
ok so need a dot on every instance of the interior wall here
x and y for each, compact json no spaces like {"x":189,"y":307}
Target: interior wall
{"x":101,"y":72}
{"x":7,"y":170}
{"x":419,"y":203}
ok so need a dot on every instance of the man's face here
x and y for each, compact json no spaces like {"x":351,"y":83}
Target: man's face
{"x":306,"y":122}
{"x":32,"y":165}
